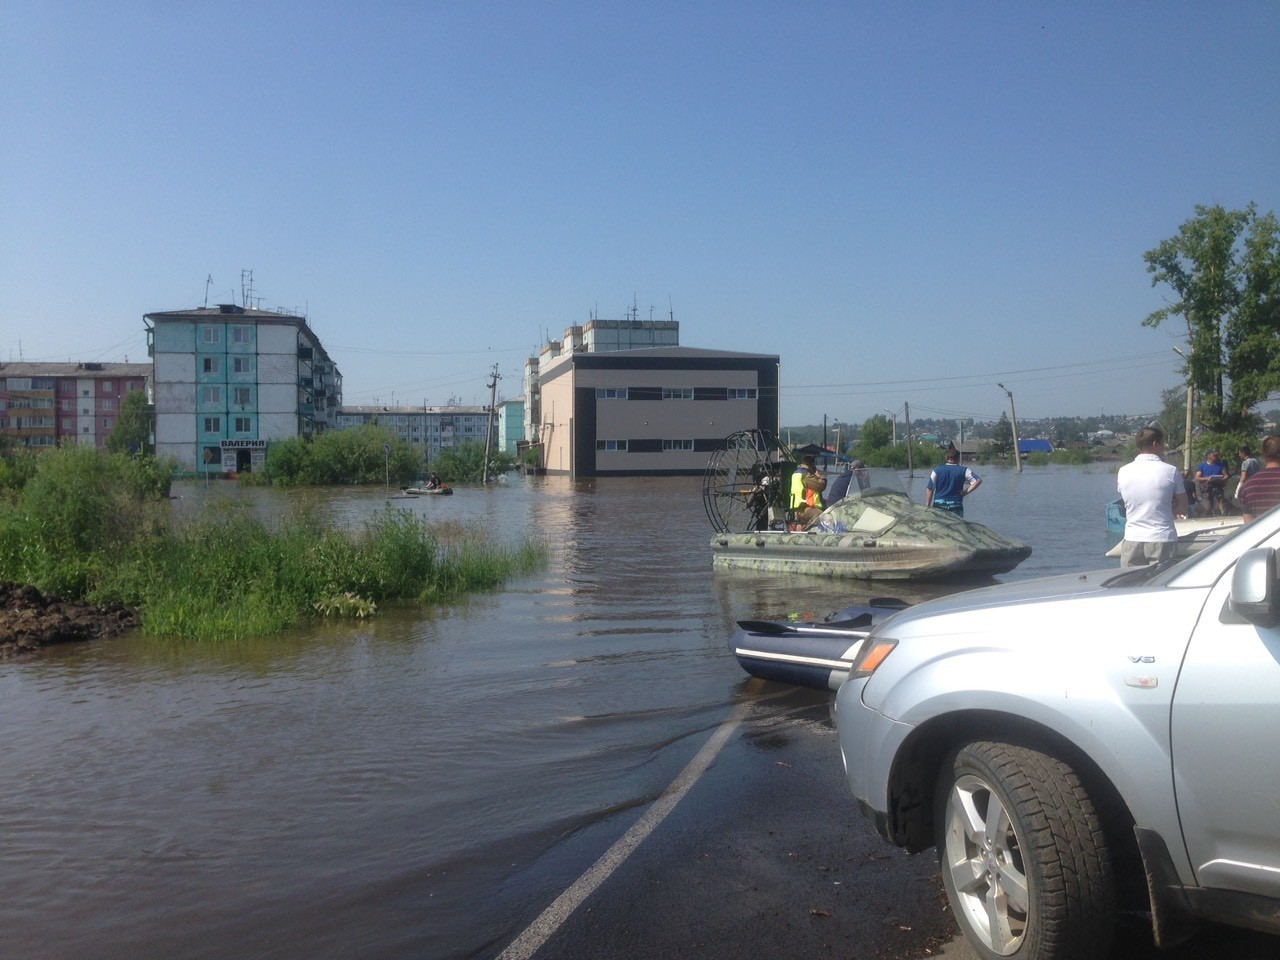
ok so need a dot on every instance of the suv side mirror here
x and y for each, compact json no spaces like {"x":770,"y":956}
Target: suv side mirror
{"x":1255,"y":594}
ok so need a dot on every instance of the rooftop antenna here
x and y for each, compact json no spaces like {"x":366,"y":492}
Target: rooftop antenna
{"x":246,"y":286}
{"x":207,"y":284}
{"x":671,"y":308}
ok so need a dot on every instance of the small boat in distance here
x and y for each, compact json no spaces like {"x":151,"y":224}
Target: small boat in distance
{"x":443,"y":490}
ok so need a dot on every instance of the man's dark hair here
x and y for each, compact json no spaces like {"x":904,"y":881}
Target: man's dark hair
{"x":953,"y":456}
{"x":1271,"y":448}
{"x":1148,"y":437}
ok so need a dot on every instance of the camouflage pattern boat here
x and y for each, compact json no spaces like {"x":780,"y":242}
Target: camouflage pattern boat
{"x":875,"y":532}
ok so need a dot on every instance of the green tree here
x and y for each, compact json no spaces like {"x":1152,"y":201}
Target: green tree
{"x":876,"y":432}
{"x":1002,"y":437}
{"x":1223,"y":267}
{"x":132,"y":433}
{"x":465,"y":463}
{"x":357,"y":456}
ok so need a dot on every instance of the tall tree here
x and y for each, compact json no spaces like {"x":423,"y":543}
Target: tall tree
{"x":876,"y":433}
{"x":1224,"y":269}
{"x":1002,"y":437}
{"x":132,"y":433}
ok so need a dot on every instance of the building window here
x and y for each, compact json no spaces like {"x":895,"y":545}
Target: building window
{"x":242,"y":395}
{"x":212,"y":424}
{"x":212,"y":394}
{"x":241,"y":365}
{"x":212,"y":335}
{"x":106,"y":425}
{"x":611,"y":445}
{"x":677,"y":444}
{"x":108,"y":404}
{"x":210,"y":364}
{"x":740,"y":393}
{"x":239,"y":334}
{"x":66,"y":426}
{"x":611,"y":393}
{"x":244,"y":424}
{"x":107,"y":386}
{"x":134,"y":385}
{"x":677,"y":393}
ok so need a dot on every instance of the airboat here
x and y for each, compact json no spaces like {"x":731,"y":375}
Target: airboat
{"x":873,"y":532}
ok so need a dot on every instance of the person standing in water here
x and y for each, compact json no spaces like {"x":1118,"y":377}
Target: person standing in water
{"x":949,"y":484}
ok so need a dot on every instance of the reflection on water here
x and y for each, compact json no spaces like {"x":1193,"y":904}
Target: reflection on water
{"x":359,"y":789}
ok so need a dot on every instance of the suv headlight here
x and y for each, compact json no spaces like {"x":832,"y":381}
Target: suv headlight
{"x":873,"y":653}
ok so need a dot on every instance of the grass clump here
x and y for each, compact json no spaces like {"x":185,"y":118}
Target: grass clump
{"x":95,"y":528}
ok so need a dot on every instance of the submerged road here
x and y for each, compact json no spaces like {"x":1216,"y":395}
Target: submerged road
{"x":757,"y":850}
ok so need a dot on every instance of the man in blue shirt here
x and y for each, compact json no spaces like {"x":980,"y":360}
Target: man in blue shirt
{"x":1211,"y":483}
{"x":950,"y":483}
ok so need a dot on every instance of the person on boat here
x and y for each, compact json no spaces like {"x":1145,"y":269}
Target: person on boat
{"x":807,"y":484}
{"x":1261,"y":491}
{"x":1152,"y":492}
{"x":1211,"y":481}
{"x":838,"y":487}
{"x":949,"y":484}
{"x":434,"y":482}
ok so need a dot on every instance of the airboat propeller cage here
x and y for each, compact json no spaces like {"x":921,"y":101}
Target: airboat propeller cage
{"x":745,"y":477}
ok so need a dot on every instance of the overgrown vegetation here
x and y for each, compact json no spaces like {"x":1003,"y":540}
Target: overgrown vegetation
{"x":94,"y":527}
{"x":335,"y":457}
{"x":465,"y":463}
{"x":359,"y":456}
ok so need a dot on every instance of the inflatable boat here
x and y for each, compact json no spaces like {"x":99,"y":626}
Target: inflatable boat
{"x":818,"y":655}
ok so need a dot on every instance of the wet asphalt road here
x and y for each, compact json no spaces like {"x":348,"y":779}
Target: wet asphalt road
{"x":766,"y":856}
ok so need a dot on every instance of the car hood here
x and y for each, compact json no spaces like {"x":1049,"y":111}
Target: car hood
{"x":1002,"y":595}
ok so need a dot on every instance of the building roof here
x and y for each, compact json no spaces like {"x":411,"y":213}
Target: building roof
{"x":408,"y":410}
{"x":1035,"y":445}
{"x":231,"y":313}
{"x":99,"y":371}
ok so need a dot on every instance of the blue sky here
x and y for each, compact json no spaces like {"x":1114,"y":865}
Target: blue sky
{"x":908,"y":202}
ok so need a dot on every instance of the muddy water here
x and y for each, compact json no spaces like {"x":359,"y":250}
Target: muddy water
{"x":404,"y":787}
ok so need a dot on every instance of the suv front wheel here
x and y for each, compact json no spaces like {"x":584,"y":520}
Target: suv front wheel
{"x":1023,"y":855}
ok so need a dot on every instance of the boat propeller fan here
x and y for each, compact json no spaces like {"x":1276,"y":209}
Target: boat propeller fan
{"x":744,"y":478}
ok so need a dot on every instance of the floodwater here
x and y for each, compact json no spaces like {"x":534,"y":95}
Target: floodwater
{"x":406,"y":787}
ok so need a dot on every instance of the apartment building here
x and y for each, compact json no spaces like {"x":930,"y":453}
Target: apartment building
{"x":426,"y":429}
{"x":46,"y":404}
{"x":230,"y":379}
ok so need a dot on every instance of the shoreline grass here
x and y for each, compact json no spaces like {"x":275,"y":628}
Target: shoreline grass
{"x":86,"y":528}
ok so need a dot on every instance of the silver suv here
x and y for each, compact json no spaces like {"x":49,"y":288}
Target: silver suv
{"x":1084,"y":745}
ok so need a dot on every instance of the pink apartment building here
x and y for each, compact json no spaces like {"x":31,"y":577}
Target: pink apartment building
{"x":45,"y":404}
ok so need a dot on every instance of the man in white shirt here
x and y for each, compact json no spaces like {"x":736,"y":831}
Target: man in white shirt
{"x":1153,"y":492}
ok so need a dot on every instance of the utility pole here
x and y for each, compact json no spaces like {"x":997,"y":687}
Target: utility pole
{"x":894,"y":415}
{"x":824,"y":435}
{"x":488,"y":433}
{"x":906,"y":419}
{"x":1013,"y":418}
{"x":1191,"y":393}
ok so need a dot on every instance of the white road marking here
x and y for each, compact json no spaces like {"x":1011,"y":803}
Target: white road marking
{"x":550,"y":920}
